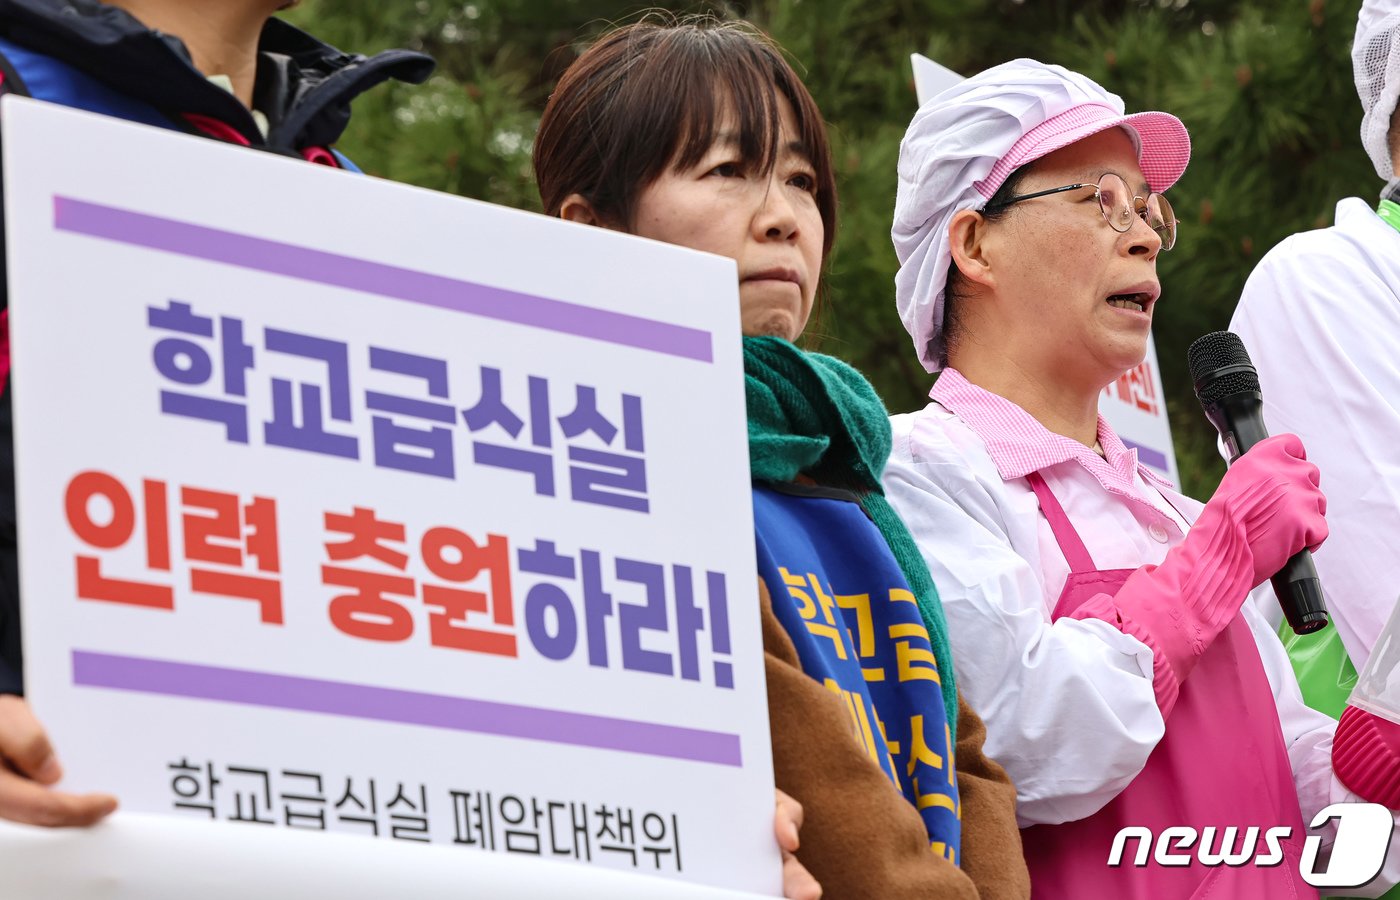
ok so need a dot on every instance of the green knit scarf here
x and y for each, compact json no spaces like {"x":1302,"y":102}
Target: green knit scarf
{"x":813,"y":414}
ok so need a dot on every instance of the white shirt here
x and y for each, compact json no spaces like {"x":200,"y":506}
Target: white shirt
{"x":1320,"y":316}
{"x":1069,"y":706}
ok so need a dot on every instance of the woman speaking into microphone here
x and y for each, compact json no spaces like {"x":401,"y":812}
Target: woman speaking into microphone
{"x":1096,"y":614}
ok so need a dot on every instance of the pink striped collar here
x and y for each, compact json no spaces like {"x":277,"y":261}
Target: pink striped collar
{"x":1019,"y":445}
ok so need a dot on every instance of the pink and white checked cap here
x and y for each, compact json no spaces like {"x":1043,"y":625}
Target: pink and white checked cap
{"x":964,"y":143}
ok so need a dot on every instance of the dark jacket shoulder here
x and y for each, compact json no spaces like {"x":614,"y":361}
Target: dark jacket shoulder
{"x":304,"y":86}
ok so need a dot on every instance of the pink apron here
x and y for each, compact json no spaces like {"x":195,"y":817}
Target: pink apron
{"x":1222,"y":762}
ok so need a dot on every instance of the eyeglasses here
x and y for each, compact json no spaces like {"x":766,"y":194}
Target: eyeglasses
{"x":1119,"y":205}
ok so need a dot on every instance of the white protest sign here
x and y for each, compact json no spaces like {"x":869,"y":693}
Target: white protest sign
{"x":1134,"y":405}
{"x":134,"y":856}
{"x":350,"y":506}
{"x":931,"y":78}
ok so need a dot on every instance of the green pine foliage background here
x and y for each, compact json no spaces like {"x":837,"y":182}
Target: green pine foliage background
{"x":1264,"y":87}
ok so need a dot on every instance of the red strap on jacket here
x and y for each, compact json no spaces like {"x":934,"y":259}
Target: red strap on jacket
{"x":320,"y":156}
{"x":218,"y":129}
{"x":223,"y":131}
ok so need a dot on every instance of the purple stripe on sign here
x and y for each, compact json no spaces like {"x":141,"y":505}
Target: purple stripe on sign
{"x":154,"y":676}
{"x":1146,"y":455}
{"x":292,"y":261}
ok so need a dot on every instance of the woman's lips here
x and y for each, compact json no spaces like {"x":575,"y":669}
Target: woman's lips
{"x":1137,"y":298}
{"x":775,"y":274}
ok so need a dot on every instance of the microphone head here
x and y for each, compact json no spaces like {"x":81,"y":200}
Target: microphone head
{"x":1220,"y":366}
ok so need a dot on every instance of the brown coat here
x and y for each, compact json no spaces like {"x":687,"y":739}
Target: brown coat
{"x":861,"y":838}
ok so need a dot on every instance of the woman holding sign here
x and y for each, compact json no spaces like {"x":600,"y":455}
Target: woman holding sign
{"x":700,"y":134}
{"x":219,"y":69}
{"x":1096,"y":612}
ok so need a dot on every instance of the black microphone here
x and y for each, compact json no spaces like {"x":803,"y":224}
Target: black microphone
{"x":1228,"y":387}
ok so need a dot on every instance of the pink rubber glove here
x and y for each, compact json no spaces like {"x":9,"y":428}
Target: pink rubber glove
{"x":1267,"y":508}
{"x":1366,"y":756}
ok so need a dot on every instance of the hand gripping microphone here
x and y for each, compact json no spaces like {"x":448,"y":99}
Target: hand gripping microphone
{"x":1228,"y":387}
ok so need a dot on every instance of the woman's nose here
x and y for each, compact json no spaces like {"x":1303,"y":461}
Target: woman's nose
{"x":1142,"y":239}
{"x":777,"y":217}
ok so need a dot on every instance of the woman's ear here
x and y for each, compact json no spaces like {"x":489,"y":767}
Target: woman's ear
{"x":967,"y":235}
{"x":576,"y":208}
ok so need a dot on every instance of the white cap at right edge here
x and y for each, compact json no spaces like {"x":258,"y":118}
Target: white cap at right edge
{"x":1375,"y":63}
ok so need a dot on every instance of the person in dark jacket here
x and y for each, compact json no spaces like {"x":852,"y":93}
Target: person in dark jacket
{"x":223,"y":68}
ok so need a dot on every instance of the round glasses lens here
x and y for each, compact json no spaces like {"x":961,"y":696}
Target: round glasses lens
{"x":1162,"y":219}
{"x":1116,"y":201}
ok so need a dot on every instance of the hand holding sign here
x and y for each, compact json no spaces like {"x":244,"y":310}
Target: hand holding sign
{"x":28,"y":770}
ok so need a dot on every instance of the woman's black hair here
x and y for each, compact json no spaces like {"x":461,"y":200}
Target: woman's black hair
{"x":648,"y":96}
